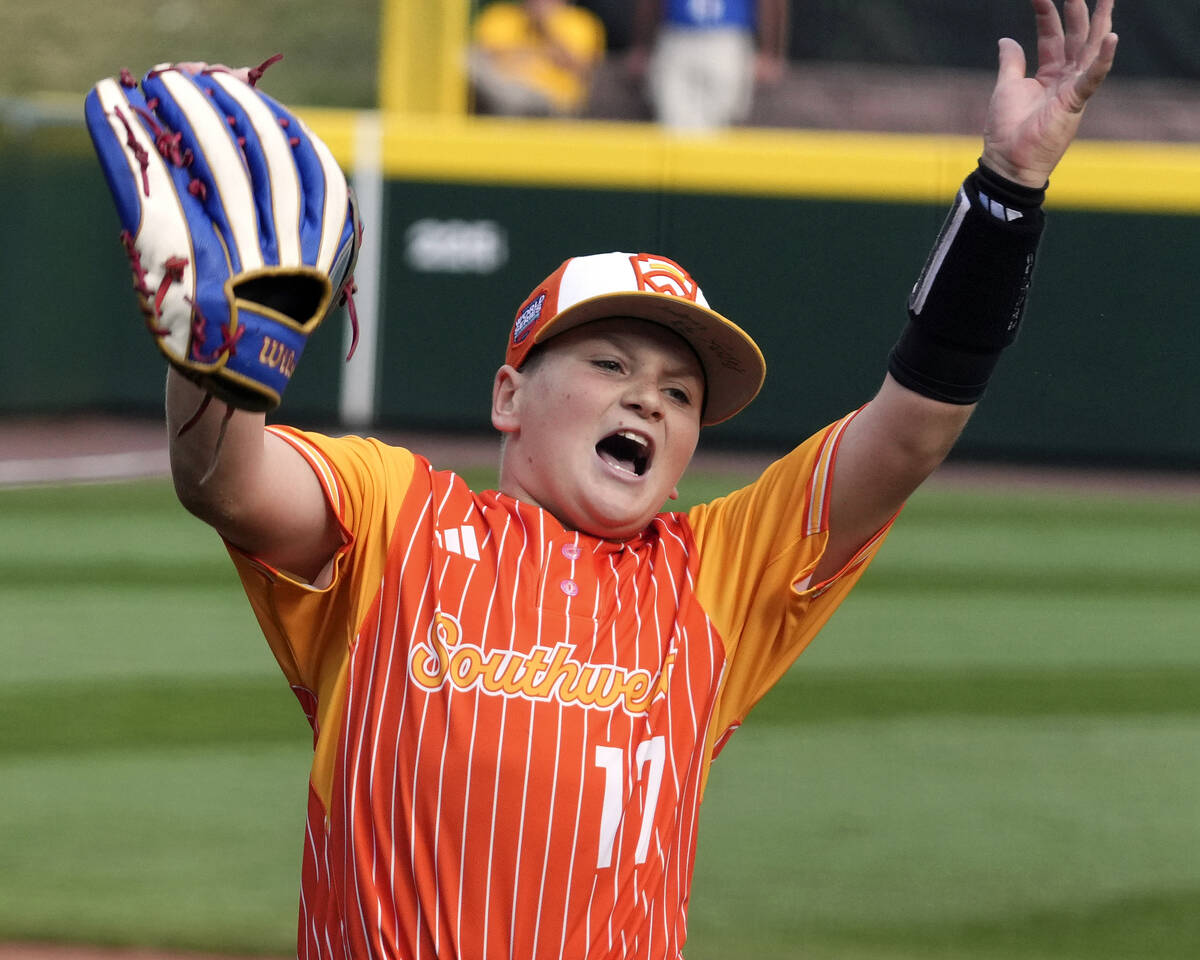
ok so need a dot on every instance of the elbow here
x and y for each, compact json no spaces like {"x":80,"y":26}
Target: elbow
{"x":915,"y":455}
{"x":204,"y":491}
{"x":924,"y":451}
{"x":920,"y":431}
{"x":200,"y":498}
{"x":215,"y":458}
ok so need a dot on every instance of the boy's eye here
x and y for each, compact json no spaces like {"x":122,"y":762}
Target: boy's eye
{"x":679,"y":396}
{"x":613,"y":365}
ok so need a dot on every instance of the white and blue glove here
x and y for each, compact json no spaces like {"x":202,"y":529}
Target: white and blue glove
{"x":239,"y":225}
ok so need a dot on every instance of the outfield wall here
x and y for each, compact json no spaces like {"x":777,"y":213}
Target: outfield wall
{"x":809,"y":240}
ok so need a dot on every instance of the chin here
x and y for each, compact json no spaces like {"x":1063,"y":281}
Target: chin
{"x":616,"y":514}
{"x":618,"y":528}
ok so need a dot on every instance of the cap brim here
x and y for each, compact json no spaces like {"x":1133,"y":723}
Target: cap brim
{"x":734,"y":369}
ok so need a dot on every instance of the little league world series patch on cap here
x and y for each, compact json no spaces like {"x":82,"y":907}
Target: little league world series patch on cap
{"x":646,"y":287}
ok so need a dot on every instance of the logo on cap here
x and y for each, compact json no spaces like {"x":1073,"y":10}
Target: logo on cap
{"x":660,"y":275}
{"x":527,"y":318}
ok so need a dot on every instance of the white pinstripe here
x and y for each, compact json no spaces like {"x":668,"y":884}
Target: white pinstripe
{"x":503,"y":718}
{"x":438,"y":521}
{"x":584,"y":753}
{"x":446,"y":740}
{"x":416,"y":761}
{"x":678,"y":641}
{"x":528,"y":747}
{"x":557,"y":756}
{"x":471,"y":752}
{"x":377,"y":740}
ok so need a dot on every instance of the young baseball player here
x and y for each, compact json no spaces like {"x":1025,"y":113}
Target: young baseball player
{"x":516,"y":694}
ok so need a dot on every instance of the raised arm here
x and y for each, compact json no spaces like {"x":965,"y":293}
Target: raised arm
{"x":968,"y":301}
{"x":210,"y":178}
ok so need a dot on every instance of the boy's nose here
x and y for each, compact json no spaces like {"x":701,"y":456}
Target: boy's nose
{"x":645,"y":399}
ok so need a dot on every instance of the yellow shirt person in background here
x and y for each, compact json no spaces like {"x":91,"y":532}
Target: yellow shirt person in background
{"x":534,"y":58}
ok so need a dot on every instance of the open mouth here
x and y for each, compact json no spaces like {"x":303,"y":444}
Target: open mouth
{"x":626,"y":451}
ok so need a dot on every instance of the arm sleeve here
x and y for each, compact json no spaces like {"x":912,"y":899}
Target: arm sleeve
{"x":758,"y":549}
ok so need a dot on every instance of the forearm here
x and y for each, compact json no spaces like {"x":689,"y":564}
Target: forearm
{"x":904,"y":437}
{"x":250,"y":486}
{"x":213,"y":455}
{"x":967,"y":304}
{"x":964,"y":310}
{"x":888,"y":450}
{"x":237,"y":324}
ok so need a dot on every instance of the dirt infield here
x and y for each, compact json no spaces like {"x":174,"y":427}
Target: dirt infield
{"x":98,"y":447}
{"x":91,"y":448}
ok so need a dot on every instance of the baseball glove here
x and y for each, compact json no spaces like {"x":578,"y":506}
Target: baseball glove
{"x":240,"y":228}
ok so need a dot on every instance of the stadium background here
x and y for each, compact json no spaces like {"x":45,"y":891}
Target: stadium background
{"x":991,"y":753}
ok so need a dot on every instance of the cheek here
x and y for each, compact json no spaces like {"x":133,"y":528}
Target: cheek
{"x":574,"y":401}
{"x":682,"y":445}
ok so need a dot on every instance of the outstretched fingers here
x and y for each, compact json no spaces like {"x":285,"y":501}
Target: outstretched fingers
{"x":1094,"y":72}
{"x":1075,"y":19}
{"x":1076,"y":50}
{"x":1101,"y":23}
{"x":1051,"y":43}
{"x":1091,"y":47}
{"x":1086,"y":35}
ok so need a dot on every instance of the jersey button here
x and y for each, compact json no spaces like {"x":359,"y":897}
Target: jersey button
{"x":571,"y":551}
{"x":569,"y":587}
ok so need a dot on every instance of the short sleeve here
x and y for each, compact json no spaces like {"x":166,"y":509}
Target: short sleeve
{"x":311,"y":628}
{"x":758,"y":549}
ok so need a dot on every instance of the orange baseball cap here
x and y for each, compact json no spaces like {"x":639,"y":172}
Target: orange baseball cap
{"x":646,"y":287}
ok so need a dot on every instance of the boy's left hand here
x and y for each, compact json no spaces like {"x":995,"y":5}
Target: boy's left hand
{"x":1032,"y":120}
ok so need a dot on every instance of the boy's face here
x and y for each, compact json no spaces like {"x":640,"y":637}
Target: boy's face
{"x":601,"y":425}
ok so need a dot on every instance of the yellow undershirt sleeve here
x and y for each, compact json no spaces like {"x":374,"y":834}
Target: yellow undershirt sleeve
{"x":758,"y":547}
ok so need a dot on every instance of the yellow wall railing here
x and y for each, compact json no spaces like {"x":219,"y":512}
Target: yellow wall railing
{"x":1096,"y":175}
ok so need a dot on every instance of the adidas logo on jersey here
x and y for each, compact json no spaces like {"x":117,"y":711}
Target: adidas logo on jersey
{"x":459,"y":540}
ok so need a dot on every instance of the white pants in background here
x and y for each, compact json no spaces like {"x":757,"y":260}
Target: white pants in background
{"x":701,"y":79}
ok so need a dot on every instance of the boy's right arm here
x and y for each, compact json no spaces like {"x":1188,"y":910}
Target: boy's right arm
{"x":250,"y":486}
{"x":209,"y":176}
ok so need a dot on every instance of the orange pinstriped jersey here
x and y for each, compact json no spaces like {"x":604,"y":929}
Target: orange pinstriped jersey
{"x":513,"y":722}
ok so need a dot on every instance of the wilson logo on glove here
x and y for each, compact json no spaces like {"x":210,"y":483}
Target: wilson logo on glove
{"x":240,"y":228}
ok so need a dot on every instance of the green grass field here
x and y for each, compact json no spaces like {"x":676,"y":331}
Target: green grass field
{"x":993,"y":751}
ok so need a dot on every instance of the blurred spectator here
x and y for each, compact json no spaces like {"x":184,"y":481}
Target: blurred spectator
{"x":617,"y":17}
{"x":534,"y":58}
{"x":702,"y":59}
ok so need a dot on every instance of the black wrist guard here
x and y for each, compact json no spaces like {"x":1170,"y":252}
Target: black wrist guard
{"x":967,"y":303}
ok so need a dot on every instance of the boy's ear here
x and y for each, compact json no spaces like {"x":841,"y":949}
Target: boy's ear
{"x":506,"y":399}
